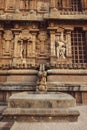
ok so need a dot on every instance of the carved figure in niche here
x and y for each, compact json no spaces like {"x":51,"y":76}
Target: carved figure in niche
{"x":60,"y":47}
{"x":7,"y":40}
{"x":42,"y":83}
{"x":25,"y":38}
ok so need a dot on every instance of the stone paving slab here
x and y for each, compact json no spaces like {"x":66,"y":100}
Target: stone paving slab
{"x":5,"y":125}
{"x":80,"y":125}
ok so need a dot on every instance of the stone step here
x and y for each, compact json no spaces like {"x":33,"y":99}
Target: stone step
{"x":32,"y":115}
{"x":26,"y":100}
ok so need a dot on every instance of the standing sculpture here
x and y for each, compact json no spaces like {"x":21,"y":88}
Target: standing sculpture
{"x":42,"y":82}
{"x":60,"y":48}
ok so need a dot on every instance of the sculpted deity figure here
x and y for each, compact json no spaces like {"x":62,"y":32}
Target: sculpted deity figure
{"x":25,"y":38}
{"x":60,"y":47}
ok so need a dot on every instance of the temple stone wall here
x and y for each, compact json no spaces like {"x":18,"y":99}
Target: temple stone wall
{"x":34,"y":32}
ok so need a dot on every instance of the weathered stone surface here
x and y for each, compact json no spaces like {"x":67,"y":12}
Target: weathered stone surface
{"x":40,"y":32}
{"x":26,"y":100}
{"x":38,"y":115}
{"x":41,"y":107}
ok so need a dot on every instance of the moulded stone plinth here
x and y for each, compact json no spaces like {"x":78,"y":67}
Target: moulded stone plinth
{"x":41,"y":107}
{"x":26,"y":100}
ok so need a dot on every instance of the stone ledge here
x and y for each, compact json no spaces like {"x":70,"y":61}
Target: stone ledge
{"x":34,"y":115}
{"x":67,"y":71}
{"x":19,"y":72}
{"x":26,"y":100}
{"x":52,"y":86}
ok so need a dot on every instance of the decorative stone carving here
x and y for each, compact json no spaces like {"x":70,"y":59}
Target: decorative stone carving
{"x":7,"y":42}
{"x":10,"y":5}
{"x":24,"y":4}
{"x":43,"y":6}
{"x":42,"y":84}
{"x":25,"y":40}
{"x":42,"y":43}
{"x":60,"y":47}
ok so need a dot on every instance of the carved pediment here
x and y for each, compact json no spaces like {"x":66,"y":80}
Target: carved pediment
{"x":25,"y":35}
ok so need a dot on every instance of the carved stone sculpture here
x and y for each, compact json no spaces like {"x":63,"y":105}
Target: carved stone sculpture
{"x":42,"y":74}
{"x":7,"y":41}
{"x":42,"y":43}
{"x":25,"y":38}
{"x":60,"y":48}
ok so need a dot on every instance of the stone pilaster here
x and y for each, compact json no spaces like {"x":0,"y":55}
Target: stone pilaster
{"x":33,"y":4}
{"x":16,"y":44}
{"x":68,"y":38}
{"x":34,"y":43}
{"x":16,"y":49}
{"x":52,"y":43}
{"x":21,"y":4}
{"x":52,"y":31}
{"x":68,"y":46}
{"x":1,"y":43}
{"x":33,"y":51}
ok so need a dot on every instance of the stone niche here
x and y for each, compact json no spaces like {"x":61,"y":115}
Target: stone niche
{"x":43,"y":47}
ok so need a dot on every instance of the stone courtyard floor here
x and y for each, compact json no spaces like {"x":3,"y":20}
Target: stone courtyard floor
{"x":80,"y":125}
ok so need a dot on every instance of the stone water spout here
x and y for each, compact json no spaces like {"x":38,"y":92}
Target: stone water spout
{"x":42,"y":79}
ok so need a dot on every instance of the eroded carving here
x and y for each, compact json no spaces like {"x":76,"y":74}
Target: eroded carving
{"x":24,"y":4}
{"x":10,"y":5}
{"x":42,"y":83}
{"x":43,"y":6}
{"x":42,"y":43}
{"x":7,"y":42}
{"x":60,"y":47}
{"x":25,"y":41}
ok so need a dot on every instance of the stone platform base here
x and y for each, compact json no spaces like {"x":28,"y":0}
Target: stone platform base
{"x":38,"y":115}
{"x":41,"y":107}
{"x":26,"y":100}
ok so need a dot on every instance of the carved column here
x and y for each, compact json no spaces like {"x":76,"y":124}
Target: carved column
{"x":52,"y":42}
{"x":21,"y":4}
{"x":16,"y":32}
{"x":32,"y":57}
{"x":85,"y":29}
{"x":33,"y":4}
{"x":84,"y":5}
{"x":1,"y":43}
{"x":52,"y":29}
{"x":2,"y":4}
{"x":34,"y":43}
{"x":68,"y":44}
{"x":34,"y":33}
